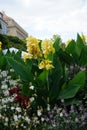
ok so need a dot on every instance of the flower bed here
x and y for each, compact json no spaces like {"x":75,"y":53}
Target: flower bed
{"x":47,"y":89}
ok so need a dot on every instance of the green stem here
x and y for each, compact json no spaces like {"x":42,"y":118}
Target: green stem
{"x":47,"y":85}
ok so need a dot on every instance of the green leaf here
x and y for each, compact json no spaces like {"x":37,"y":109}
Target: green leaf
{"x":69,"y":92}
{"x":79,"y":44}
{"x":83,"y":57}
{"x":57,"y":44}
{"x":20,"y":69}
{"x":56,"y":79}
{"x":79,"y":79}
{"x":43,"y":76}
{"x":65,"y":57}
{"x":70,"y":49}
{"x":74,"y":86}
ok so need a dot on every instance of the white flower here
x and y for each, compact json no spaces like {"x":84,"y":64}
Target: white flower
{"x":13,"y":82}
{"x":18,"y":109}
{"x":39,"y":112}
{"x":4,"y":73}
{"x":31,"y":87}
{"x":8,"y":77}
{"x":11,"y":70}
{"x":31,"y":99}
{"x":6,"y":92}
{"x":27,"y":119}
{"x":15,"y":118}
{"x":4,"y":86}
{"x":6,"y":119}
{"x":19,"y":116}
{"x":42,"y":119}
{"x":12,"y":108}
{"x":4,"y":106}
{"x":4,"y":100}
{"x":48,"y":107}
{"x":61,"y":114}
{"x":10,"y":99}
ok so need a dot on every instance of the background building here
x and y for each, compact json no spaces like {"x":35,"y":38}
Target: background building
{"x":13,"y":28}
{"x":3,"y":25}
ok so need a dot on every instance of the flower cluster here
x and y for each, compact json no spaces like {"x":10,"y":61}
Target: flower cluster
{"x":42,"y":51}
{"x":14,"y":107}
{"x":17,"y":113}
{"x":47,"y":64}
{"x":64,"y":118}
{"x":47,"y":47}
{"x":33,"y":47}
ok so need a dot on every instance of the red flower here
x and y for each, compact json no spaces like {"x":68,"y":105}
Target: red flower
{"x":22,"y":100}
{"x":19,"y":98}
{"x":15,"y":90}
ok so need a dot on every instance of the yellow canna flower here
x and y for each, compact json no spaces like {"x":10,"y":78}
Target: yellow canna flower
{"x":33,"y":47}
{"x":46,"y":64}
{"x":47,"y":47}
{"x":26,"y":56}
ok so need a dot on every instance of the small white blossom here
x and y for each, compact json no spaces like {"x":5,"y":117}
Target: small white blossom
{"x":4,"y":106}
{"x":27,"y":119}
{"x":48,"y":107}
{"x":15,"y":118}
{"x":18,"y":109}
{"x":12,"y":108}
{"x":6,"y":119}
{"x":6,"y":93}
{"x":4,"y":73}
{"x":4,"y":100}
{"x":11,"y":70}
{"x":19,"y":116}
{"x":42,"y":119}
{"x":61,"y":114}
{"x":31,"y":99}
{"x":39,"y":112}
{"x":4,"y":86}
{"x":31,"y":87}
{"x":8,"y":77}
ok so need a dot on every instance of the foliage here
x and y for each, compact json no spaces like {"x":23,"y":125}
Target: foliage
{"x":11,"y":41}
{"x":52,"y":82}
{"x":50,"y":78}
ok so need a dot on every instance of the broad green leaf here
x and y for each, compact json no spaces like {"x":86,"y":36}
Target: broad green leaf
{"x":83,"y":57}
{"x":57,"y":44}
{"x":79,"y":44}
{"x":43,"y":76}
{"x":56,"y":79}
{"x":70,"y":49}
{"x":65,"y":57}
{"x":79,"y":79}
{"x":69,"y":92}
{"x":19,"y":68}
{"x":74,"y":86}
